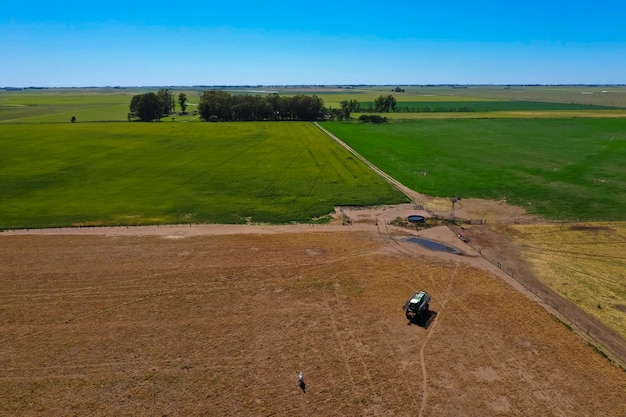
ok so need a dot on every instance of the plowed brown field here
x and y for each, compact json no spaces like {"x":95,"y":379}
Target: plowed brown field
{"x":221,"y":324}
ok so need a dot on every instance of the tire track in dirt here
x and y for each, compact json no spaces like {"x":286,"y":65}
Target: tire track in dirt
{"x":431,"y":331}
{"x":407,"y":385}
{"x":346,"y":341}
{"x":354,"y":336}
{"x":95,"y":312}
{"x":519,"y":364}
{"x":396,"y":246}
{"x":342,"y":349}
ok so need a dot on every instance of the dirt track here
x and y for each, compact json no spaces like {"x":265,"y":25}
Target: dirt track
{"x":218,"y":320}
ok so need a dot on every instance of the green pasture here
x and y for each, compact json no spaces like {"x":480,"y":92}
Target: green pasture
{"x":510,"y":114}
{"x":489,"y":106}
{"x":59,"y":105}
{"x":544,"y":150}
{"x":559,"y":168}
{"x":597,"y":96}
{"x":334,"y":99}
{"x":610,"y":96}
{"x":156,"y":173}
{"x":461,"y":100}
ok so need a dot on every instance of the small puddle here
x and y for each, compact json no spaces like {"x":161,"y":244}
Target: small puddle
{"x":429,"y":244}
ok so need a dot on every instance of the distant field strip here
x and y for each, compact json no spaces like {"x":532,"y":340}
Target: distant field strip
{"x":59,"y":106}
{"x":520,"y":114}
{"x":567,"y":169}
{"x":489,"y":106}
{"x":157,"y":173}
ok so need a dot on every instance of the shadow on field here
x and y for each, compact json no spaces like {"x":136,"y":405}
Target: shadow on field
{"x":424,"y":320}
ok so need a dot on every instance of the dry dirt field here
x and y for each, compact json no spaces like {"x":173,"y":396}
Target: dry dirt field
{"x":585,"y":263}
{"x":218,"y":321}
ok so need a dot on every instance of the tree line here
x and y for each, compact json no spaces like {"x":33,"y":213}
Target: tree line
{"x":218,"y":105}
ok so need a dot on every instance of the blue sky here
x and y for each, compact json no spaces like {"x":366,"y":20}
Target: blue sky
{"x":153,"y":43}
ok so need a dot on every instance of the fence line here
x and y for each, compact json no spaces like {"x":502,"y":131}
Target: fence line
{"x":581,"y":320}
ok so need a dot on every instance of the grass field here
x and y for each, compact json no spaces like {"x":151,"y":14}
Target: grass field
{"x":563,"y":168}
{"x":585,"y":263}
{"x":60,"y":105}
{"x":111,"y":104}
{"x":559,"y":168}
{"x":87,"y":105}
{"x":609,"y":96}
{"x":142,"y":173}
{"x":613,"y":96}
{"x":425,"y":106}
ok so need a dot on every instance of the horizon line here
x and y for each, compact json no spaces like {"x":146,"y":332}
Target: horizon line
{"x":34,"y":87}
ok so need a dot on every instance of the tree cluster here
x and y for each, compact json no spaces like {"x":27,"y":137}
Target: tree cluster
{"x":220,"y":105}
{"x":151,"y":106}
{"x":344,"y":111}
{"x":372,"y":118}
{"x":385,"y":104}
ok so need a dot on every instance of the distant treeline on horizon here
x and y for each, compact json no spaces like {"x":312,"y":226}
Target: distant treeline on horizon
{"x":339,"y":86}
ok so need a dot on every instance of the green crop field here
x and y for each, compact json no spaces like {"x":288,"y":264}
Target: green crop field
{"x":111,"y":104}
{"x":559,"y":168}
{"x":612,"y":96}
{"x":489,"y":106}
{"x":484,"y":102}
{"x":156,"y":173}
{"x":541,"y":150}
{"x":59,"y":105}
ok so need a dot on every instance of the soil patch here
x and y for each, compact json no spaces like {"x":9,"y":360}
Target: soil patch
{"x":221,"y":324}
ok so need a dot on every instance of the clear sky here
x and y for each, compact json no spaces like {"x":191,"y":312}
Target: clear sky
{"x":231,"y":42}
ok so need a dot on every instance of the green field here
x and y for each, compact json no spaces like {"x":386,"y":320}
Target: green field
{"x":489,"y":106}
{"x":542,"y":96}
{"x":559,"y":168}
{"x":555,"y":151}
{"x":157,"y":173}
{"x":59,"y":105}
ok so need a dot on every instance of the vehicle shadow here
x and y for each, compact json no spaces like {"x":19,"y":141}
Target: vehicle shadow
{"x":423,"y":320}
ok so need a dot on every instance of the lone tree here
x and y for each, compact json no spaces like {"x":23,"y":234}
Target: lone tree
{"x":182,"y":99}
{"x":146,"y":107}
